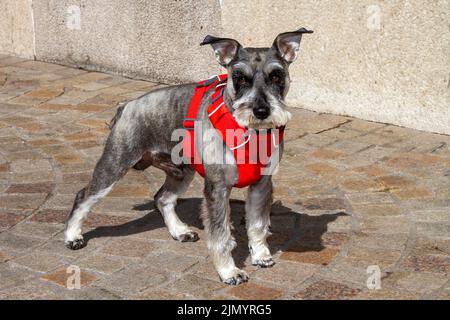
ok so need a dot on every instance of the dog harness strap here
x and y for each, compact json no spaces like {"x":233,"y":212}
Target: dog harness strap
{"x":189,"y":150}
{"x":200,"y":91}
{"x":251,"y":149}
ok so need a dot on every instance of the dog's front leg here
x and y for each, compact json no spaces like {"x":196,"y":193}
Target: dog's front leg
{"x":216,"y":218}
{"x":257,"y":210}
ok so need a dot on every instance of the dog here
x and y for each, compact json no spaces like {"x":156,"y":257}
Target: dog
{"x":141,"y":136}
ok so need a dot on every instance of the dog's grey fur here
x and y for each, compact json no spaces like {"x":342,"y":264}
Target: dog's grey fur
{"x":258,"y":81}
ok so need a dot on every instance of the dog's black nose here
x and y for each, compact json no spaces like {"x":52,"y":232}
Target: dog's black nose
{"x":261,"y":112}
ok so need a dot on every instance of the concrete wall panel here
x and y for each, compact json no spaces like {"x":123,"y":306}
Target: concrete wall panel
{"x":395,"y":71}
{"x":157,"y":40}
{"x":16,"y":28}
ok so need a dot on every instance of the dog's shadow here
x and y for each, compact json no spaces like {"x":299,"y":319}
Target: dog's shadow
{"x":291,"y":231}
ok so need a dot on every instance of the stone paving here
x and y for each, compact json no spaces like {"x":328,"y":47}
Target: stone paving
{"x":350,"y":194}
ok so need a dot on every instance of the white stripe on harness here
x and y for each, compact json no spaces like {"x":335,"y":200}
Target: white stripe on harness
{"x":215,"y":110}
{"x":242,"y":144}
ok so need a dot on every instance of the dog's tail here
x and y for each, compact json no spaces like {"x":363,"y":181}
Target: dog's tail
{"x":117,"y":116}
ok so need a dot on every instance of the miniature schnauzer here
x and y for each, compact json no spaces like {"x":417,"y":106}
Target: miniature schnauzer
{"x":141,"y":131}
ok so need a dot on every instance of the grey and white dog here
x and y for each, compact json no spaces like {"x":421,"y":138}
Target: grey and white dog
{"x":141,"y":131}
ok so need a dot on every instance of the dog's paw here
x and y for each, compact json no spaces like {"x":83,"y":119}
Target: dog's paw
{"x":240,"y":276}
{"x":264,"y":263}
{"x":261,"y":256}
{"x":190,"y":236}
{"x":75,"y":244}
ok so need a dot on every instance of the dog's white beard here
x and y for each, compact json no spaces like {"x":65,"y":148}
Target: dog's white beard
{"x":278,"y":115}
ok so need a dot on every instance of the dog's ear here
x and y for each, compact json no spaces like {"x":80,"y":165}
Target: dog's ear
{"x":225,"y":49}
{"x":288,"y":44}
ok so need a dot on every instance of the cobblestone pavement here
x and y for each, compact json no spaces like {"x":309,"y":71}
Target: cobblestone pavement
{"x":350,"y":194}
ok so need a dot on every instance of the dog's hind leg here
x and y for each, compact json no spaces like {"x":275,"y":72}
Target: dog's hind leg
{"x":109,"y":169}
{"x":166,"y":200}
{"x":257,"y":210}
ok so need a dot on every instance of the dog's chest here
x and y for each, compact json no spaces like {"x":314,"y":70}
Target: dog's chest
{"x":253,"y":152}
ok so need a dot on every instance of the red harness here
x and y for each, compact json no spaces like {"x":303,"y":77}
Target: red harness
{"x":252,"y":149}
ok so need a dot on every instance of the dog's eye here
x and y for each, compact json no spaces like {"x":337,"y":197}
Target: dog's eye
{"x":275,"y":77}
{"x":241,"y":80}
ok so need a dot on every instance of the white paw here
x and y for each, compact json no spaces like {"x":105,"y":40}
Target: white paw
{"x":75,"y":244}
{"x":189,"y":236}
{"x":264,"y":263}
{"x":261,"y":257}
{"x":72,"y":234}
{"x":235,"y":277}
